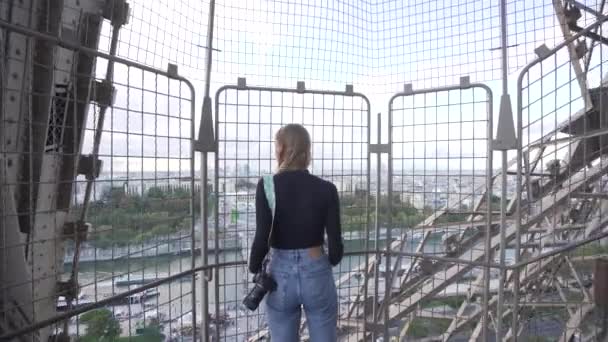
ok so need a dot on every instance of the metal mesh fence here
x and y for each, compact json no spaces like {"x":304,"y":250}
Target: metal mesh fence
{"x":439,"y":207}
{"x":142,"y":205}
{"x":97,"y":181}
{"x":377,"y":45}
{"x":562,"y":182}
{"x":338,"y":123}
{"x":277,"y":43}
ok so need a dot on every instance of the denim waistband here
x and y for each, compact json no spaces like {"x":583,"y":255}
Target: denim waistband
{"x":299,"y":261}
{"x":293,"y":254}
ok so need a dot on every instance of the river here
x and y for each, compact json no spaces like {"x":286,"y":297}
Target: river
{"x":174,"y":299}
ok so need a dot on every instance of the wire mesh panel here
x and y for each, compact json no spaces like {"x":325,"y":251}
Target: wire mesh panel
{"x":377,"y":44}
{"x":97,"y":184}
{"x":440,"y":40}
{"x":440,"y":213}
{"x":561,"y":177}
{"x":247,"y":120}
{"x":277,"y":43}
{"x":141,"y":209}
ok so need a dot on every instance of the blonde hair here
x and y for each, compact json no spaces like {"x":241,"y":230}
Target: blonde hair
{"x":295,"y":147}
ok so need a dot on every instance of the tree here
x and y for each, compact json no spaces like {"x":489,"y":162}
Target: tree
{"x":156,"y":192}
{"x":101,"y":325}
{"x":114,"y":195}
{"x":151,"y":331}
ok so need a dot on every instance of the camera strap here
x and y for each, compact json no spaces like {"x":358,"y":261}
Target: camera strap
{"x":271,"y":198}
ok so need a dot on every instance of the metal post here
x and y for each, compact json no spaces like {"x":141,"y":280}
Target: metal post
{"x":204,"y":229}
{"x":375,"y":312}
{"x":503,"y":47}
{"x":505,"y":140}
{"x":503,"y":219}
{"x":488,"y":242}
{"x":367,"y":222}
{"x":209,"y":48}
{"x":206,"y":144}
{"x":515,"y":272}
{"x":389,"y":224}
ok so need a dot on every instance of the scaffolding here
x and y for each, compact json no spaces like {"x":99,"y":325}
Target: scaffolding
{"x":134,"y":133}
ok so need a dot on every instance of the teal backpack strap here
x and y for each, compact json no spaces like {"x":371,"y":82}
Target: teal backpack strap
{"x":269,"y":192}
{"x":270,"y":197}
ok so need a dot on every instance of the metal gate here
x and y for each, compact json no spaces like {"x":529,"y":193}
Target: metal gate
{"x":561,"y":187}
{"x":246,"y":120}
{"x":441,"y":211}
{"x":104,"y":199}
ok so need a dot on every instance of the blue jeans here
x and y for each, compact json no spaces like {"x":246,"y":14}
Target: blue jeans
{"x":302,"y":281}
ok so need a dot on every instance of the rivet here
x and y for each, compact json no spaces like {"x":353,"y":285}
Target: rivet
{"x":12,"y":98}
{"x":18,"y":52}
{"x":15,"y":76}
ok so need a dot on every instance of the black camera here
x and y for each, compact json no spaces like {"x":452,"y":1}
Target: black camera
{"x":263,"y":283}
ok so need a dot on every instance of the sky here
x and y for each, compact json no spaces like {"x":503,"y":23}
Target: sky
{"x":377,"y":46}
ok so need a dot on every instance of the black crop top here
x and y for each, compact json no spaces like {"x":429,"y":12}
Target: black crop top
{"x":306,"y":207}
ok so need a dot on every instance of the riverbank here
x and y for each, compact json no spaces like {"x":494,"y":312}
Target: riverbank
{"x":177,"y":245}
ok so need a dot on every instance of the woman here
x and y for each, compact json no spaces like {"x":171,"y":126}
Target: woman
{"x":306,"y":208}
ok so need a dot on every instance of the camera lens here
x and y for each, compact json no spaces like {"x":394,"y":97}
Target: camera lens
{"x":253,"y":299}
{"x":251,"y":305}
